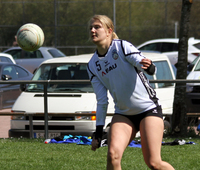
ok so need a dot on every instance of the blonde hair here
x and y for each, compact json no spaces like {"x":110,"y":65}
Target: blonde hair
{"x":106,"y":22}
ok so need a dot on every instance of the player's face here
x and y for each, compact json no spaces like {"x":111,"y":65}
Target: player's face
{"x":97,"y":32}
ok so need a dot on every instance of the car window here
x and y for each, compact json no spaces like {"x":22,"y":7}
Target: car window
{"x":69,"y":71}
{"x":11,"y":71}
{"x":151,"y":47}
{"x":191,"y":65}
{"x":56,"y":53}
{"x":197,"y":67}
{"x":5,"y":59}
{"x":21,"y":54}
{"x":163,"y":73}
{"x":21,"y":72}
{"x":16,"y":54}
{"x":197,"y":45}
{"x":151,"y":78}
{"x":31,"y":54}
{"x":168,"y":47}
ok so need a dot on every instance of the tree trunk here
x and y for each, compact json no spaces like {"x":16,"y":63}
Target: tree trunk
{"x":179,"y":117}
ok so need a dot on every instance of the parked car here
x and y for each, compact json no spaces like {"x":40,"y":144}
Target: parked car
{"x":6,"y":58}
{"x":31,"y":60}
{"x":10,"y":92}
{"x":169,"y":47}
{"x":193,"y":89}
{"x":191,"y":65}
{"x":76,"y":98}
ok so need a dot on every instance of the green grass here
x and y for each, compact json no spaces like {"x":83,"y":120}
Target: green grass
{"x":33,"y":154}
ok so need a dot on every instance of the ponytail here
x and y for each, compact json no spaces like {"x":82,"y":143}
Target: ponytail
{"x":114,"y":35}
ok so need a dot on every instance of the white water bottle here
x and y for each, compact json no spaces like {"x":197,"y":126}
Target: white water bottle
{"x":47,"y":141}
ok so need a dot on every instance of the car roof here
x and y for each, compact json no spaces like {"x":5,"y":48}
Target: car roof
{"x":9,"y":56}
{"x":45,"y":48}
{"x":155,"y":56}
{"x":191,"y":40}
{"x":85,"y":58}
{"x":6,"y":54}
{"x":175,"y":40}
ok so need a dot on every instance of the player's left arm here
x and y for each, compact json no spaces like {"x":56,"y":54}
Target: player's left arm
{"x":136,"y":58}
{"x":148,"y":66}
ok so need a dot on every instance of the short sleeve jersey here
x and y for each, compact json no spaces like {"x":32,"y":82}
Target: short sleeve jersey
{"x":120,"y":72}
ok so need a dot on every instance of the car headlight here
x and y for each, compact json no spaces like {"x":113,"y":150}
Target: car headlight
{"x":189,"y":89}
{"x":18,"y":118}
{"x":85,"y":117}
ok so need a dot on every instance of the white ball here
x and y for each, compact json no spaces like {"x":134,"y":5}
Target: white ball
{"x":30,"y":37}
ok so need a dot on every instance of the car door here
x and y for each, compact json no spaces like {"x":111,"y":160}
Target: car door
{"x":9,"y":92}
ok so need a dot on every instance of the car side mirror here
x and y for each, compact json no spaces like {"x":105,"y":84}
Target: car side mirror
{"x":6,"y":77}
{"x":22,"y":87}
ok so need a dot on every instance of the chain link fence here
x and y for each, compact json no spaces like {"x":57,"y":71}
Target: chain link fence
{"x":65,"y":23}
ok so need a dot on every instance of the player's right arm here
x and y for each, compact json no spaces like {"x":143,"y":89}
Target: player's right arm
{"x":101,"y":110}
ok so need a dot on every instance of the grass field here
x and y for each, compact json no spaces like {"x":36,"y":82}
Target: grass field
{"x":33,"y":154}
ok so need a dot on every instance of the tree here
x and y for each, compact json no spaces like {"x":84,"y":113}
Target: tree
{"x":179,"y":117}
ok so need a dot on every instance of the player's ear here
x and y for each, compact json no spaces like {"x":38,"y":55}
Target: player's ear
{"x":109,"y":31}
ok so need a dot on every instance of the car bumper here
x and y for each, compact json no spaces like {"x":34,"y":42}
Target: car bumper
{"x":18,"y":133}
{"x":21,"y":128}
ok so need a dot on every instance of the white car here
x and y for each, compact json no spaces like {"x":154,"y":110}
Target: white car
{"x":6,"y":58}
{"x":76,"y":98}
{"x":169,"y":47}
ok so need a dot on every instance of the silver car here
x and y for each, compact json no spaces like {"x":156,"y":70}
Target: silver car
{"x":31,"y":60}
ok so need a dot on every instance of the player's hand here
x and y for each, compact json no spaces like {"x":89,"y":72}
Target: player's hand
{"x":95,"y":144}
{"x":145,"y":63}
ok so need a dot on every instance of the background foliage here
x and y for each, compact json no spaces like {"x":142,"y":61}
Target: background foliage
{"x":65,"y":22}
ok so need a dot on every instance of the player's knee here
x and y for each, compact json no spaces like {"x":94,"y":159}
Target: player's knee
{"x":154,"y":165}
{"x":113,"y":157}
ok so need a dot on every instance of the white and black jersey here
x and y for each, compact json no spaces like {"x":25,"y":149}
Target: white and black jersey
{"x":120,"y":72}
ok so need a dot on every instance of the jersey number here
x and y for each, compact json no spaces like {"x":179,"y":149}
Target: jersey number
{"x":98,"y":66}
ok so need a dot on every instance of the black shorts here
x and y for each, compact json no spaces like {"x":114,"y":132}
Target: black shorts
{"x":136,"y":119}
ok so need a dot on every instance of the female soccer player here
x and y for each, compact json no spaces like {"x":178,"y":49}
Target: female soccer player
{"x":118,"y":66}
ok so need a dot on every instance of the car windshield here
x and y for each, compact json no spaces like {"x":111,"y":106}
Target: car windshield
{"x":69,"y":71}
{"x":56,"y":53}
{"x":197,"y":67}
{"x":162,"y":73}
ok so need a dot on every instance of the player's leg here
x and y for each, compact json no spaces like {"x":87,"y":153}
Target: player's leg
{"x":151,"y":131}
{"x":120,"y":135}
